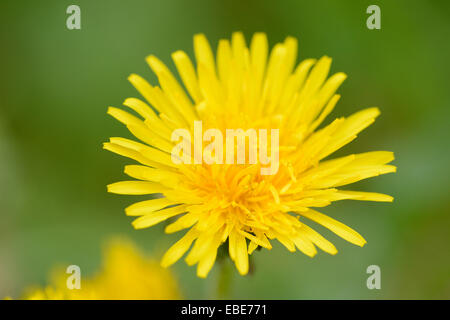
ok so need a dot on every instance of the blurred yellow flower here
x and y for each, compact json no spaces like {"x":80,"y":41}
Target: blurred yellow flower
{"x":243,"y":88}
{"x":125,"y":275}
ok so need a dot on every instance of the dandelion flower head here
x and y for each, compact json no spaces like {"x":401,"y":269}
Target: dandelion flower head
{"x":243,"y":86}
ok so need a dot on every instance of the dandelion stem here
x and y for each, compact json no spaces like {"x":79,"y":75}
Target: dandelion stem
{"x":224,"y":279}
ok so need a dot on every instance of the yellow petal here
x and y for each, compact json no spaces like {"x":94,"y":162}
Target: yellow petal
{"x":143,"y":173}
{"x":365,"y":196}
{"x":304,"y":245}
{"x":123,"y":116}
{"x":241,"y":254}
{"x":203,"y":52}
{"x":318,"y":240}
{"x":351,"y":169}
{"x":187,"y":74}
{"x":199,"y":249}
{"x":252,"y":247}
{"x":258,"y":54}
{"x":155,"y":217}
{"x":148,"y":206}
{"x":207,"y":261}
{"x":224,"y":57}
{"x":186,"y":221}
{"x":172,"y":91}
{"x":179,"y":248}
{"x":135,"y":187}
{"x":337,"y":227}
{"x":157,"y":156}
{"x":129,"y":153}
{"x":239,"y":48}
{"x":349,"y":128}
{"x":317,"y":77}
{"x":284,"y":240}
{"x":141,"y":131}
{"x":149,"y":115}
{"x":256,"y":240}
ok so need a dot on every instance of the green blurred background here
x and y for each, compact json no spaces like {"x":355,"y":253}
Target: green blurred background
{"x":56,"y":85}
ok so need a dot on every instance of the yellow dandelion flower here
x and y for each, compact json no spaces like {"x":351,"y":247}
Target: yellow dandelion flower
{"x":242,"y":88}
{"x":126,"y":274}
